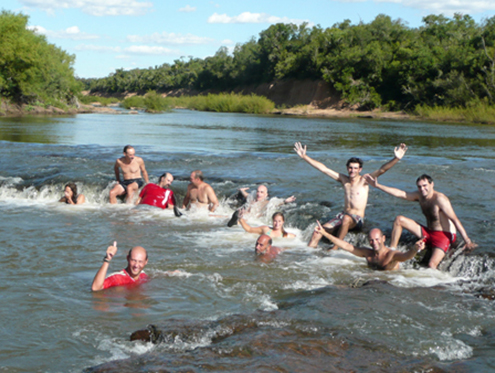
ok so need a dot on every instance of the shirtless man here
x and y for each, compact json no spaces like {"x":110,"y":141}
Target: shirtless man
{"x":441,"y":219}
{"x":200,"y":193}
{"x":158,"y":195}
{"x":355,"y":191}
{"x":264,"y":247}
{"x":137,"y":258}
{"x":131,"y":167}
{"x":257,"y":204}
{"x":380,"y":257}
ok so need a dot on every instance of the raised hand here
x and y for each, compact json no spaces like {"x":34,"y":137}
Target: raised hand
{"x":112,"y":250}
{"x":371,"y":180}
{"x":290,"y":199}
{"x":470,"y":246}
{"x":400,"y":150}
{"x":299,"y":149}
{"x":318,"y":228}
{"x":420,"y":244}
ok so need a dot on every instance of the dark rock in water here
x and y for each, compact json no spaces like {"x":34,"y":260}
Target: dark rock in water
{"x":326,"y":204}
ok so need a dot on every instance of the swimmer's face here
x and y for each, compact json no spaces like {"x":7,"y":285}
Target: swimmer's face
{"x":354,"y":169}
{"x":68,"y":192}
{"x":262,"y":245}
{"x":377,"y":239}
{"x":130,"y":154}
{"x":166,"y":181}
{"x":278,"y":222}
{"x":424,"y":187}
{"x":261,"y":193}
{"x":193,"y":178}
{"x":136,"y":262}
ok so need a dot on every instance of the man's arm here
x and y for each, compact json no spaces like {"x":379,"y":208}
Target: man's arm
{"x":399,"y":152}
{"x":138,"y":200}
{"x":244,"y":192}
{"x":448,"y":210}
{"x":102,"y":272}
{"x":409,"y":254}
{"x":410,"y":196}
{"x":212,"y":199}
{"x":116,"y":169}
{"x":301,"y":152}
{"x":187,"y":197}
{"x":143,"y":171}
{"x":361,"y":252}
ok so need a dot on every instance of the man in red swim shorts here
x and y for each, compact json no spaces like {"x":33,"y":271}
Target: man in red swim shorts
{"x":132,"y":274}
{"x":440,"y":217}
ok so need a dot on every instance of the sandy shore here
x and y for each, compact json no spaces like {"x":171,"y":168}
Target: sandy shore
{"x":310,"y":111}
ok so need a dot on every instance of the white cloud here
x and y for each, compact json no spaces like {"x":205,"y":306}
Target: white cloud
{"x":72,"y":33}
{"x":248,"y":17}
{"x":170,"y":39}
{"x":93,"y":7}
{"x":135,"y":49}
{"x":188,"y":9}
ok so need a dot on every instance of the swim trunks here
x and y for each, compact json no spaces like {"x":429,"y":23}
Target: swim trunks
{"x":337,"y":221}
{"x":155,"y":195}
{"x":127,"y":182}
{"x":122,"y":278}
{"x":439,"y":239}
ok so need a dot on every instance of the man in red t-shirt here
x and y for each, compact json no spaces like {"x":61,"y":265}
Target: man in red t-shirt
{"x":158,"y":195}
{"x":132,"y":274}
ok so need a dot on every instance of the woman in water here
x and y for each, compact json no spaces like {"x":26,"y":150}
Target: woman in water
{"x":277,"y":230}
{"x":70,"y":195}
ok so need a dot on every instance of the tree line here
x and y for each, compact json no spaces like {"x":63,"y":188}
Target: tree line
{"x":31,"y":69}
{"x":384,"y":63}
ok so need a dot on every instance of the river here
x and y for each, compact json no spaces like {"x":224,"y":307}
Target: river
{"x":307,"y":310}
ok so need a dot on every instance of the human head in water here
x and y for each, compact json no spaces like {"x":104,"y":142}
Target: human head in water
{"x":165,"y":180}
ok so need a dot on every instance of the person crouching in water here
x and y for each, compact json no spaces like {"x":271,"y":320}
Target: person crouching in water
{"x":70,"y":195}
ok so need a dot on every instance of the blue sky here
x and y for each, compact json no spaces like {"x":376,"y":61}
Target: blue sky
{"x":109,"y":34}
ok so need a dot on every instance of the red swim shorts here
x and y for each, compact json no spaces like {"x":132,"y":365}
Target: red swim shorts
{"x":439,"y":239}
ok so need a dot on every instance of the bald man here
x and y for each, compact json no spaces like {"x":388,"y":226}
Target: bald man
{"x":158,"y":195}
{"x":137,"y":258}
{"x":380,"y":256}
{"x":264,"y":247}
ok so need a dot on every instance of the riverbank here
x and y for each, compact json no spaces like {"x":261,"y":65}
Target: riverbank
{"x":15,"y":110}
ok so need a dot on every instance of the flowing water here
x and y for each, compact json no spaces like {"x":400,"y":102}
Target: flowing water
{"x":224,"y":310}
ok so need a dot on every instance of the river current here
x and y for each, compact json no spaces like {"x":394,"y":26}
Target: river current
{"x":307,"y":310}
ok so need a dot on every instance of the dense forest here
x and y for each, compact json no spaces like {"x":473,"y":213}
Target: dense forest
{"x":446,"y":62}
{"x":31,"y":69}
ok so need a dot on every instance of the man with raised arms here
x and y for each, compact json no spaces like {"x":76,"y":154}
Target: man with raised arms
{"x":380,"y":257}
{"x":355,"y":191}
{"x":441,"y":220}
{"x":137,"y":258}
{"x":132,"y":167}
{"x":158,"y":195}
{"x":264,"y":247}
{"x":199,"y":193}
{"x":258,"y":204}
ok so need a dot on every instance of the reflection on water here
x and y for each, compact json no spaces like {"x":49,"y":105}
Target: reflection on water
{"x":224,"y":309}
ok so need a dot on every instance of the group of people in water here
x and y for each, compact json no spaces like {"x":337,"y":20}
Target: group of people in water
{"x":438,"y":234}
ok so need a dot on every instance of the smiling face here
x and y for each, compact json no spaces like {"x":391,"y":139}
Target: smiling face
{"x":377,"y":239}
{"x":353,"y":169}
{"x":261,"y":193}
{"x":136,"y":260}
{"x":425,"y":187}
{"x":278,"y":222}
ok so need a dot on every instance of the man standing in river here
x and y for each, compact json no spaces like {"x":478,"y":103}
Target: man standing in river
{"x":199,"y":193}
{"x":380,"y":257}
{"x":355,"y":191}
{"x":132,"y":167}
{"x":441,"y":220}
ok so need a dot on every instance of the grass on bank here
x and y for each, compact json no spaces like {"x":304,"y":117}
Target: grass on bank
{"x":104,"y":101}
{"x":479,"y":112}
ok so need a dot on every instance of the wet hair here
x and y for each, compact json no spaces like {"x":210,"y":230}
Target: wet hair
{"x":127,"y":147}
{"x":424,"y":177}
{"x":73,"y":188}
{"x":199,"y":174}
{"x":355,"y":160}
{"x":278,"y":213}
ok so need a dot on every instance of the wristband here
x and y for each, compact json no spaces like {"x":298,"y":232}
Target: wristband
{"x":105,"y":259}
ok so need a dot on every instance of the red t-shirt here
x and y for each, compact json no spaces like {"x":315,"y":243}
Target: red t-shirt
{"x":155,"y":195}
{"x":122,"y":278}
